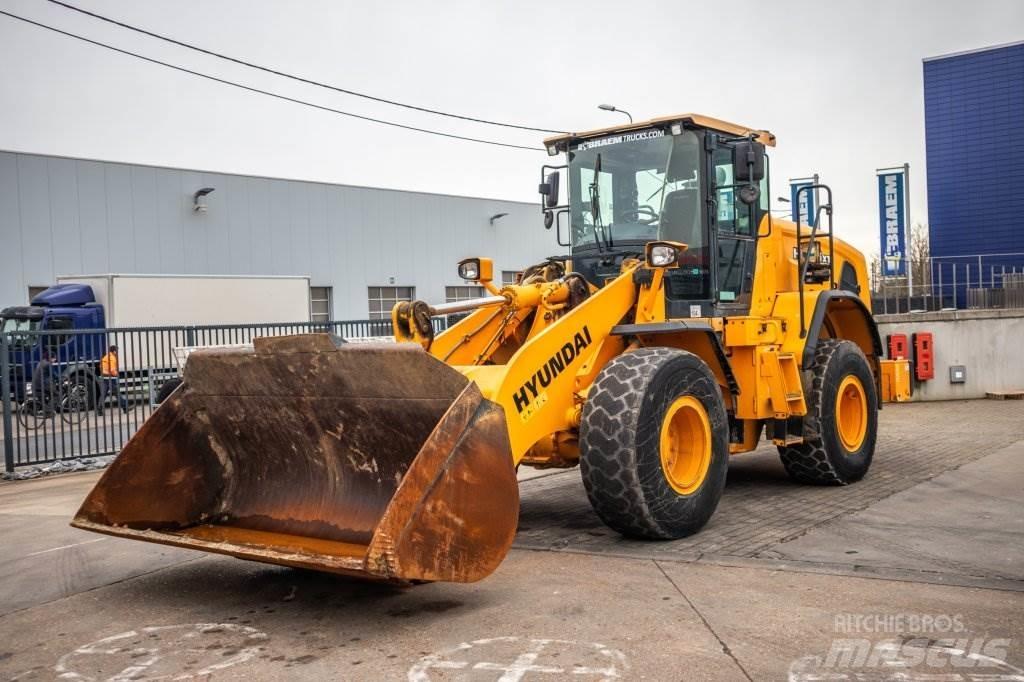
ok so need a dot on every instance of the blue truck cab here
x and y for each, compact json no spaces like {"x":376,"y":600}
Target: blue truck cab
{"x":64,"y":318}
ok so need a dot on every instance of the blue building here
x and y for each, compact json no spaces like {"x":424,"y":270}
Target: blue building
{"x":974,"y":135}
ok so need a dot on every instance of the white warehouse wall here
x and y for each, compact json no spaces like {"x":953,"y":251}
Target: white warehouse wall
{"x":61,"y":216}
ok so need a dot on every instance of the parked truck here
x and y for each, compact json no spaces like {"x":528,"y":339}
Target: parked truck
{"x":65,"y":317}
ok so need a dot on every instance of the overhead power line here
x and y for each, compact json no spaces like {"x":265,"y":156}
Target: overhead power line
{"x":300,"y":79}
{"x":275,"y":95}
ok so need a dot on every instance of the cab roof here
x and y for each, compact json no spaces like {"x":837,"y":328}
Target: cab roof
{"x":697,"y":120}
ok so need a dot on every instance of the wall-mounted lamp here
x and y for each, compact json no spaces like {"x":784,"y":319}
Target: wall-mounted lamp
{"x":198,"y":205}
{"x":496,"y":217}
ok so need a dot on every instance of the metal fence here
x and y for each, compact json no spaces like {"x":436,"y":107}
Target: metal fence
{"x":83,"y":413}
{"x":952,"y":282}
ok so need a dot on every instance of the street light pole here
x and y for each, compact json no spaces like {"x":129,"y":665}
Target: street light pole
{"x":611,"y":107}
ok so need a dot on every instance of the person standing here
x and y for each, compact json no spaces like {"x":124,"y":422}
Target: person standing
{"x":108,"y":371}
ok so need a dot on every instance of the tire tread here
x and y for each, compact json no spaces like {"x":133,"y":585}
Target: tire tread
{"x":809,"y":462}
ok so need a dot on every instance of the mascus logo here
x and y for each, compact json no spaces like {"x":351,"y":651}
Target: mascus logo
{"x":540,"y":380}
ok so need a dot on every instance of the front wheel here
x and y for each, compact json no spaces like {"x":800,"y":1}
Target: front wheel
{"x":842,"y":418}
{"x":654,"y":444}
{"x":32,"y":413}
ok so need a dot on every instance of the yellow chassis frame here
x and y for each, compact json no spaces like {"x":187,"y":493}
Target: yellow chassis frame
{"x":539,"y":367}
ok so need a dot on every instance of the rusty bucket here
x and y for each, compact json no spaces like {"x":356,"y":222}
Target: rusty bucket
{"x":374,"y":460}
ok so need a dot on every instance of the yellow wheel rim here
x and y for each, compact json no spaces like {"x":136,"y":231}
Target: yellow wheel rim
{"x":685,"y":444}
{"x":851,"y":413}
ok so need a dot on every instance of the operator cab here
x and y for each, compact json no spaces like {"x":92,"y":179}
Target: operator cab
{"x":685,"y":178}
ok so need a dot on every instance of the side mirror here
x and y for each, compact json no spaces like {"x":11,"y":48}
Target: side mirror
{"x":549,"y":189}
{"x":748,"y":161}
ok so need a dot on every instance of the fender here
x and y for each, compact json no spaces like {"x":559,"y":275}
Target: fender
{"x":680,"y":327}
{"x":846,"y":307}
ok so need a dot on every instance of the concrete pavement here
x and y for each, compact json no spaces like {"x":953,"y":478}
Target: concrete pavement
{"x":919,"y":574}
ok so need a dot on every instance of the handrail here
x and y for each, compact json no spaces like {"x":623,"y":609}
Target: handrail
{"x":805,"y":257}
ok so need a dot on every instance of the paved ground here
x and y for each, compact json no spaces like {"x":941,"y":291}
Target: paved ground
{"x":763,"y":510}
{"x":787,"y":581}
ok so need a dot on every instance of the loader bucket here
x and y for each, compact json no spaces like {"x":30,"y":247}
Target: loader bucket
{"x":375,"y":460}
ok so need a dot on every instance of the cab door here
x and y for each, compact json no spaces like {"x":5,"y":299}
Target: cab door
{"x":734,"y":225}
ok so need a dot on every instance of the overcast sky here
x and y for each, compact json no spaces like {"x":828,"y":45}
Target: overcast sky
{"x":838,"y":83}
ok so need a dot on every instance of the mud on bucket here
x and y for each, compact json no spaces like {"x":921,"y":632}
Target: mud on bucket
{"x":375,"y":460}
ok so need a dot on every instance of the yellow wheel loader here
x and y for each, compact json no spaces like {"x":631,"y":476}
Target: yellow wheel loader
{"x":685,"y":325}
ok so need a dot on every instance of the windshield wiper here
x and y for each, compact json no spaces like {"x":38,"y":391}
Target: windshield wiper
{"x":595,"y":205}
{"x":595,"y":209}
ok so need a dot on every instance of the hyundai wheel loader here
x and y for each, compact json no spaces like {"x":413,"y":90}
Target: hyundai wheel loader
{"x":685,"y":325}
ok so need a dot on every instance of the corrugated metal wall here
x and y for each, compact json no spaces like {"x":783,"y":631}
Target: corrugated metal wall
{"x":974,"y":131}
{"x":68,"y":216}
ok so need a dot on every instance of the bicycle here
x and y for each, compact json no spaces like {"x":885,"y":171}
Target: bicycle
{"x":34,"y":411}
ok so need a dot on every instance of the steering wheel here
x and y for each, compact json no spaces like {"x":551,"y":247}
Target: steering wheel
{"x":644,"y":214}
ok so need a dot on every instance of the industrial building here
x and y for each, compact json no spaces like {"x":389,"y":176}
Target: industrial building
{"x":363,"y":248}
{"x":974,"y":133}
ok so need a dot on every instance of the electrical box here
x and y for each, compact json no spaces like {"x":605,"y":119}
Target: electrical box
{"x":958,"y":374}
{"x":924,"y":356}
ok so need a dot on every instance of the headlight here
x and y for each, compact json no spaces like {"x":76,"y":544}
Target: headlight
{"x":662,"y":255}
{"x":470,"y":269}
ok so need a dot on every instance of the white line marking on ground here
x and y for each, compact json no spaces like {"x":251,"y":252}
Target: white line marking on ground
{"x":57,"y":549}
{"x":164,"y":652}
{"x":612,"y":663}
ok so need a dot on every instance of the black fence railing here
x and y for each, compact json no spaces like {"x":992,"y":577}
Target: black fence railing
{"x":61,"y":401}
{"x":985,"y":281}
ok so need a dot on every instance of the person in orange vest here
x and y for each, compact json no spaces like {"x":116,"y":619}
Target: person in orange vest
{"x":108,"y":370}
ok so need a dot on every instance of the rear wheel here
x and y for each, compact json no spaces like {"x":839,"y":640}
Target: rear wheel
{"x":842,"y":418}
{"x":73,"y":408}
{"x":654,"y":444}
{"x":85,"y":389}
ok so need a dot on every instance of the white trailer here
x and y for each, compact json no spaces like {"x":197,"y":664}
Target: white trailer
{"x":173,"y":300}
{"x":146,"y":359}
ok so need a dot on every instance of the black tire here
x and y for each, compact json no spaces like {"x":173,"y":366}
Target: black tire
{"x":85,"y":389}
{"x":32,"y":413}
{"x":823,"y":458}
{"x":167,"y":389}
{"x":620,"y":457}
{"x":73,"y":409}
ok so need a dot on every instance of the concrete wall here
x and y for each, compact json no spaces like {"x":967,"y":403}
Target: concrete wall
{"x":61,"y":216}
{"x":990,"y":343}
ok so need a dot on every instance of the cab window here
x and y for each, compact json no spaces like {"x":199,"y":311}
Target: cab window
{"x":731,"y":214}
{"x":59,"y":324}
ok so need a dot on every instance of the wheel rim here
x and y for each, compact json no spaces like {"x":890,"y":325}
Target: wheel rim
{"x":685,"y":444}
{"x":851,"y":413}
